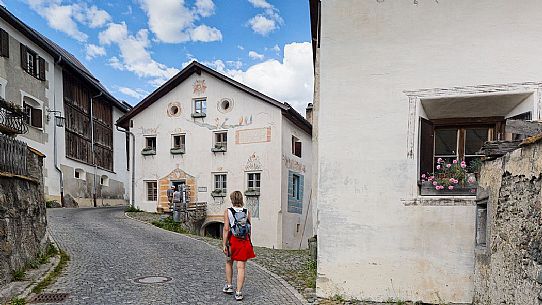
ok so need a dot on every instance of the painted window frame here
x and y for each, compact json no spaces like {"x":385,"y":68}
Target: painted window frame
{"x":151,"y":190}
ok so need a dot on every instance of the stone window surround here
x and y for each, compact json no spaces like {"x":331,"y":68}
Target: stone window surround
{"x":147,"y":190}
{"x":414,"y":100}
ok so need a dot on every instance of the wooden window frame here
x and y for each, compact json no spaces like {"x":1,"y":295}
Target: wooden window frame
{"x":34,"y":116}
{"x":151,"y":188}
{"x":149,"y":138}
{"x":296,"y":186}
{"x":220,"y":182}
{"x":296,"y":146}
{"x":182,"y":141}
{"x":32,"y":63}
{"x":255,"y":180}
{"x":202,"y":102}
{"x":221,"y":139}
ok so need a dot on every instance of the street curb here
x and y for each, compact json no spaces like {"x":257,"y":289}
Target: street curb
{"x":286,"y":285}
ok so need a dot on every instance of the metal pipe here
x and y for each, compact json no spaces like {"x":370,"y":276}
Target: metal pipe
{"x":55,"y":149}
{"x":132,"y":195}
{"x":92,"y":143}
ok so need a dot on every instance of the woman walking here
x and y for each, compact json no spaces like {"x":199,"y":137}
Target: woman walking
{"x":236,"y":242}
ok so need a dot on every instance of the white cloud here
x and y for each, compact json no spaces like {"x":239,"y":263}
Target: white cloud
{"x":173,"y":22}
{"x":240,"y":47}
{"x":134,"y":54}
{"x":205,"y":8}
{"x":262,"y":25}
{"x":205,"y":34}
{"x":261,"y":4}
{"x":67,"y":17}
{"x":255,"y":55}
{"x":267,"y":22}
{"x":93,"y":50}
{"x":135,"y":93}
{"x":236,"y":64}
{"x":290,"y":80}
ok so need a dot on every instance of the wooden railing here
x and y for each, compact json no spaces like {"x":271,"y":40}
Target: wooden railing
{"x":13,"y":156}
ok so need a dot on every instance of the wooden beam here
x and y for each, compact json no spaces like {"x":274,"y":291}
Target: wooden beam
{"x":528,"y":128}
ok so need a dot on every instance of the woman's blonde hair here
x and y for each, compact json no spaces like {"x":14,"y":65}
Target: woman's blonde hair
{"x":237,"y":199}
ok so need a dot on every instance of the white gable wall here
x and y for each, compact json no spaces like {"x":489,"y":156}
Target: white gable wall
{"x":248,"y":113}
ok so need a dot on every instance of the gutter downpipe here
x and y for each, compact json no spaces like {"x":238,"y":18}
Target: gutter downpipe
{"x":132,"y":195}
{"x":62,"y":204}
{"x":93,"y":149}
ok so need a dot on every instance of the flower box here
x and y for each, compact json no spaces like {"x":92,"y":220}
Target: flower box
{"x":177,"y":151}
{"x":218,"y":193}
{"x":252,"y":193}
{"x":219,"y":149}
{"x":199,"y":115}
{"x":148,"y":151}
{"x":427,"y":189}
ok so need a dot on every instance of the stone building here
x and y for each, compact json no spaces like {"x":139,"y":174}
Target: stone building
{"x":400,"y":84}
{"x":70,"y":116}
{"x":215,"y":135}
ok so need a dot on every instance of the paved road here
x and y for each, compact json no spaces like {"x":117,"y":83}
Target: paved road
{"x":108,"y":251}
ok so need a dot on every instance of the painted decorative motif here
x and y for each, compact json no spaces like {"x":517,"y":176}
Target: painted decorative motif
{"x":149,"y":131}
{"x":199,"y":87}
{"x":249,"y":136}
{"x":293,"y":165}
{"x":253,"y":163}
{"x":176,"y":174}
{"x":174,"y":109}
{"x":223,"y":124}
{"x":253,"y":205}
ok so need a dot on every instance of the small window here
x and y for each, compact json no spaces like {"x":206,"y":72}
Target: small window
{"x":200,"y":106}
{"x":254,"y":181}
{"x":179,"y":141}
{"x":152,"y":191}
{"x":296,"y":146}
{"x":33,"y":115}
{"x":32,"y":63}
{"x":4,"y":43}
{"x":150,"y":143}
{"x":296,"y":187}
{"x":220,"y":183}
{"x":79,"y":174}
{"x":104,"y":180}
{"x":221,"y":141}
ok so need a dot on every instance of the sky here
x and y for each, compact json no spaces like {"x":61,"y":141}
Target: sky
{"x":134,"y":46}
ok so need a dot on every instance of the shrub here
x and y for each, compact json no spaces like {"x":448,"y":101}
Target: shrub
{"x":19,"y":275}
{"x":17,"y":301}
{"x":133,"y":209}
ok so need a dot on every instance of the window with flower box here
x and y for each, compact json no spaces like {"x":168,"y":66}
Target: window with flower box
{"x":449,"y":158}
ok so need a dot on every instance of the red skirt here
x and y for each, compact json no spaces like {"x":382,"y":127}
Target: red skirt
{"x":240,"y":249}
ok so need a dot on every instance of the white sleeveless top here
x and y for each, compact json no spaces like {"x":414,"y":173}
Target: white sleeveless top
{"x":230,"y":215}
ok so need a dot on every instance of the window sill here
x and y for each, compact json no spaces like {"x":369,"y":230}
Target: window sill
{"x":252,"y":193}
{"x":218,"y":194}
{"x":198,"y":115}
{"x":148,"y":152}
{"x":177,"y":151}
{"x":440,"y":201}
{"x":427,"y":189}
{"x":218,"y":149}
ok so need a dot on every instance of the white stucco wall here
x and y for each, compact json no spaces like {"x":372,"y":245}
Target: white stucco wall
{"x":371,"y":244}
{"x":296,"y":228}
{"x":247,"y":113}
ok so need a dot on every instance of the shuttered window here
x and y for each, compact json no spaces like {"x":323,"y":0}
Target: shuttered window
{"x":4,"y":43}
{"x":295,"y":192}
{"x":32,"y":63}
{"x":34,"y":116}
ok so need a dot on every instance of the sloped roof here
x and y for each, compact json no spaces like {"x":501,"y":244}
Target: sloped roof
{"x":66,"y":58}
{"x":195,"y":67}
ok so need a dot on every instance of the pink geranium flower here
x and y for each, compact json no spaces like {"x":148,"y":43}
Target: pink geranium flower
{"x":451,"y":187}
{"x":448,"y":165}
{"x":455,"y":161}
{"x":435,"y":183}
{"x":438,"y":166}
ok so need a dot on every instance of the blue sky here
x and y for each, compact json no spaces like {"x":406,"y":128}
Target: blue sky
{"x":133,"y":46}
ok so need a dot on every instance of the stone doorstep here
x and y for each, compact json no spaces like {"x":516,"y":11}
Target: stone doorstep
{"x":33,"y":277}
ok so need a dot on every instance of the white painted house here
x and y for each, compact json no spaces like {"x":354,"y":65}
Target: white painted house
{"x":400,"y":84}
{"x":216,"y":136}
{"x":49,"y":83}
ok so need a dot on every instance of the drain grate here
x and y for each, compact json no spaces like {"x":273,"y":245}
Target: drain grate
{"x":50,"y":298}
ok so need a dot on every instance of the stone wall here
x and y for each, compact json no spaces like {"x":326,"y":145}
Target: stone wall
{"x":508,"y":267}
{"x":22,"y":218}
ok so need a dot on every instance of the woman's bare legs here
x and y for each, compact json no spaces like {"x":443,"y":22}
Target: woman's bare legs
{"x":229,"y":271}
{"x":240,"y":275}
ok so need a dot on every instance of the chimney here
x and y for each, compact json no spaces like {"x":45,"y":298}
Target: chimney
{"x":308,"y":114}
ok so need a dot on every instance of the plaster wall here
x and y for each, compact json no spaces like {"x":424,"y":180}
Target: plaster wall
{"x":373,"y":244}
{"x":296,"y":228}
{"x":248,"y":114}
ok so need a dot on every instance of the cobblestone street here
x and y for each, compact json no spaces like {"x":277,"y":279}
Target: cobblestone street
{"x":108,"y":251}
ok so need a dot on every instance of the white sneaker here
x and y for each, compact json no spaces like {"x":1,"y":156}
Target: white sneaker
{"x":228,"y":289}
{"x":238,"y":295}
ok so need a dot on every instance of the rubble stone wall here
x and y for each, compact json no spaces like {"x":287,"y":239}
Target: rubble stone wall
{"x":22,"y":218}
{"x":508,"y":268}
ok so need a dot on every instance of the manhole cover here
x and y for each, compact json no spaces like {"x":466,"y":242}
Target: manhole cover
{"x":50,"y":298}
{"x":153,"y":280}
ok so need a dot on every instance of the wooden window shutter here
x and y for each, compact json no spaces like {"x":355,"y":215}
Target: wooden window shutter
{"x":298,"y":149}
{"x":37,"y":118}
{"x":41,"y":64}
{"x":24,"y":63}
{"x":427,"y":145}
{"x":4,"y":43}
